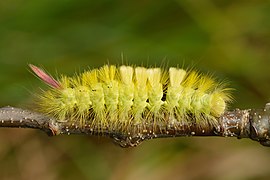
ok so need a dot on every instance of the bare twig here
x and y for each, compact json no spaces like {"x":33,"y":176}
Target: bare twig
{"x":251,"y":123}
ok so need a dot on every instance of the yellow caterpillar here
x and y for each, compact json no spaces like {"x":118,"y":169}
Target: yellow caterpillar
{"x":118,"y":98}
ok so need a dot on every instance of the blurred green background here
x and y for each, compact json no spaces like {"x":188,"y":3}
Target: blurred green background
{"x":228,"y":38}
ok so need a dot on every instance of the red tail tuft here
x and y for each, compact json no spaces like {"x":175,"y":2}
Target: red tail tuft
{"x":45,"y":77}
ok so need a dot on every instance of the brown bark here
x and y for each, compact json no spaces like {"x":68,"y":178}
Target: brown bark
{"x":253,"y":124}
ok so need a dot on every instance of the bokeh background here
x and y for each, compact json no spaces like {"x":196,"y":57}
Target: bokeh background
{"x":228,"y":38}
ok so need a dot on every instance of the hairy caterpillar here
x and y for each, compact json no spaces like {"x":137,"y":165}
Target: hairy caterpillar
{"x":120,"y":98}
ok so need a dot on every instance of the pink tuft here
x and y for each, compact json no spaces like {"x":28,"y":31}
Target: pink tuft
{"x":45,"y":77}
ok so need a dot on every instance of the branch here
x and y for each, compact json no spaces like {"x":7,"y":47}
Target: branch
{"x":251,"y":123}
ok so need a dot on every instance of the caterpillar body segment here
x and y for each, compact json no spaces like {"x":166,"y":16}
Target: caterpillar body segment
{"x":126,"y":94}
{"x":119,"y":98}
{"x":140,"y":94}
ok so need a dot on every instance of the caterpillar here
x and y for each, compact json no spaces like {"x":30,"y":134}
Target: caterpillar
{"x":121,"y":98}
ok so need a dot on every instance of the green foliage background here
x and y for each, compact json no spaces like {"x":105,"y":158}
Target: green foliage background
{"x":226,"y":37}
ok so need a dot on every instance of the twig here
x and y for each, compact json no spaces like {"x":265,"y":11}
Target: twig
{"x":251,"y":123}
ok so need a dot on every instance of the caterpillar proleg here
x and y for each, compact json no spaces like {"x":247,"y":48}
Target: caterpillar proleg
{"x":120,"y":98}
